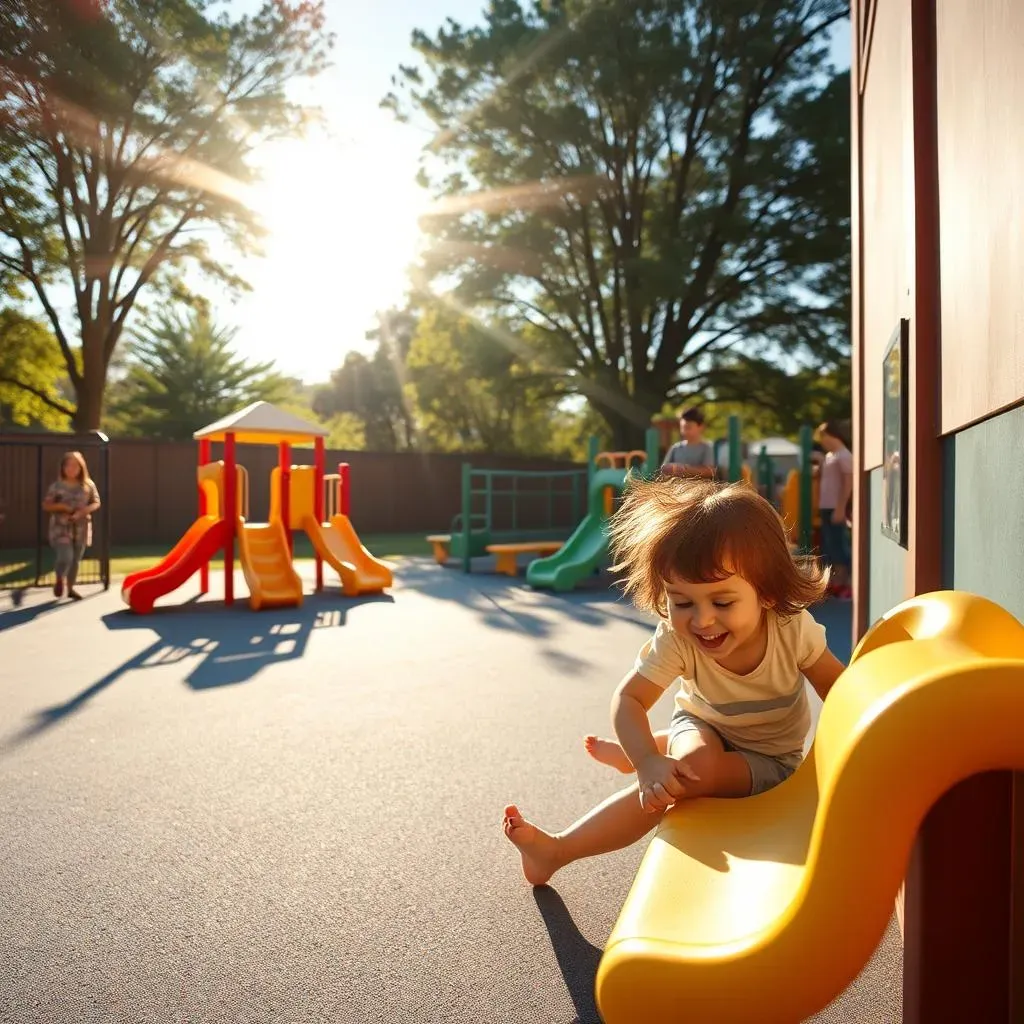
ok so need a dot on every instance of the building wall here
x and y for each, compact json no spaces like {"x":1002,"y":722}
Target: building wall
{"x":984,"y":510}
{"x":938,"y":217}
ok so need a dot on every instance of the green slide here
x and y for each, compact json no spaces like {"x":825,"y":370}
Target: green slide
{"x":587,"y":548}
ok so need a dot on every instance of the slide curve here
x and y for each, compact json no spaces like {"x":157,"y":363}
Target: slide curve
{"x":765,"y":909}
{"x":203,"y":539}
{"x":267,"y":566}
{"x":338,"y":544}
{"x":587,"y":548}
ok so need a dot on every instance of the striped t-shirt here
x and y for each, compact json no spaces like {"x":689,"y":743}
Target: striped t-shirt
{"x":765,"y":710}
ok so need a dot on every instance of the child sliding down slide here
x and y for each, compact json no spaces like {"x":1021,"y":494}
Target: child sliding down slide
{"x":713,"y":562}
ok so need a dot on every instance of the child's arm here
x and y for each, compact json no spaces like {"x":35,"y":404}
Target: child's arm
{"x":824,"y":672}
{"x":633,"y":699}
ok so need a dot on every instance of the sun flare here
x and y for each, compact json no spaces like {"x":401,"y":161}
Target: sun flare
{"x":342,"y":230}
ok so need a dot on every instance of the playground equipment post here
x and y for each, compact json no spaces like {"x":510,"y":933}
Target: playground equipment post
{"x":467,"y":509}
{"x":318,"y":502}
{"x":805,"y":489}
{"x":284,"y":462}
{"x":735,"y":455}
{"x":204,"y":458}
{"x":653,"y":446}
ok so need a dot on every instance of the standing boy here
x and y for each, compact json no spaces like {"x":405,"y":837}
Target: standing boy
{"x":692,"y":456}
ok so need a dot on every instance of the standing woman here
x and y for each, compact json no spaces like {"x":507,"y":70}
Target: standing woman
{"x":834,"y":493}
{"x":71,"y":501}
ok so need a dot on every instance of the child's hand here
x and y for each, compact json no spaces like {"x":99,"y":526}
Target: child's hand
{"x":662,"y":782}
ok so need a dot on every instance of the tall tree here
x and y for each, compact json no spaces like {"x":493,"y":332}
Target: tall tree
{"x":371,"y":389}
{"x":126,"y":128}
{"x":637,"y":181}
{"x":473,"y":388}
{"x":181,"y":373}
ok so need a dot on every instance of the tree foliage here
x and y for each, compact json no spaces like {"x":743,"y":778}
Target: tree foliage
{"x":126,"y":130}
{"x":368,"y":390}
{"x":31,"y":372}
{"x":642,"y":186}
{"x":181,"y":374}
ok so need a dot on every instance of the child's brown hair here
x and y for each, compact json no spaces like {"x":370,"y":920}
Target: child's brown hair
{"x":78,"y":457}
{"x":701,"y":531}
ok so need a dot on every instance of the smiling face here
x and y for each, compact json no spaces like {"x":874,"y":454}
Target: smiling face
{"x":723,"y":618}
{"x":71,"y":469}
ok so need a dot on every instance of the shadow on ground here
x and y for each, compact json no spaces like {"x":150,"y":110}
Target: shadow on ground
{"x":232,"y":645}
{"x":577,"y":958}
{"x":506,"y":603}
{"x":25,"y":604}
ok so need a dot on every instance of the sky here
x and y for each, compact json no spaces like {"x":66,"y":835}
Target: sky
{"x":341,"y":208}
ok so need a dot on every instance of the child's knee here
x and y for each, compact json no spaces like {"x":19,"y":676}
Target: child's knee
{"x":705,"y":764}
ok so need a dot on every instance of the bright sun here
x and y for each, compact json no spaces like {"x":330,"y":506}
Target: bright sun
{"x":342,"y":231}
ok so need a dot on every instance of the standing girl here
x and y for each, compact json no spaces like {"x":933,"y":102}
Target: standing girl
{"x":71,"y":501}
{"x":713,"y":562}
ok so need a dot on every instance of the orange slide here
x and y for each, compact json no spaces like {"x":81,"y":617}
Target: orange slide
{"x":267,"y":565}
{"x":338,"y":544}
{"x":203,"y":539}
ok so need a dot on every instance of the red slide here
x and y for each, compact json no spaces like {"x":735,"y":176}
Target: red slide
{"x":203,"y":539}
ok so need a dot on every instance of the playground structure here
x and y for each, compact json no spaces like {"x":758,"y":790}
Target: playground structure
{"x":573,"y":551}
{"x":570,"y":555}
{"x":732,"y":894}
{"x":330,"y":531}
{"x":500,"y":522}
{"x":265,"y":550}
{"x":587,"y":549}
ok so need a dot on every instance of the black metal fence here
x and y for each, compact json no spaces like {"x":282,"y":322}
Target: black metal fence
{"x":29,"y":463}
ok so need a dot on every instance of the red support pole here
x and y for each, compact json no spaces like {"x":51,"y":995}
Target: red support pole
{"x":231,"y":517}
{"x":318,"y":501}
{"x":204,"y":458}
{"x":343,"y":471}
{"x":284,"y":462}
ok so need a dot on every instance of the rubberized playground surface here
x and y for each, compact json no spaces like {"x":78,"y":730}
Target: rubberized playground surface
{"x":219,"y":815}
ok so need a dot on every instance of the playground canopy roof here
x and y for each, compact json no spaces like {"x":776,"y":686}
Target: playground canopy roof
{"x":261,"y":423}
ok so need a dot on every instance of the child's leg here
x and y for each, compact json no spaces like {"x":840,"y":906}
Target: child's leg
{"x":618,"y":822}
{"x":610,"y":752}
{"x":77,"y":553}
{"x":621,"y":820}
{"x":61,"y":564}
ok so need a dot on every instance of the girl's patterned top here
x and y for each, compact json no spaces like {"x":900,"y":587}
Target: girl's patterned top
{"x":62,"y":529}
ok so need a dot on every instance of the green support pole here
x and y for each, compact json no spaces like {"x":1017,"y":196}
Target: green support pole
{"x":735,"y":455}
{"x":593,"y":447}
{"x":653,"y":446}
{"x":806,"y":438}
{"x":765,"y":472}
{"x":467,"y":509}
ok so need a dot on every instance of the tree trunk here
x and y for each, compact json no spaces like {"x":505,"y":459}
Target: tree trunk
{"x":93,"y":381}
{"x":628,"y":419}
{"x":89,"y":407}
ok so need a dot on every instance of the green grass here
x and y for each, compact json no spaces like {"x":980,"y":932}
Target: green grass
{"x":18,"y":567}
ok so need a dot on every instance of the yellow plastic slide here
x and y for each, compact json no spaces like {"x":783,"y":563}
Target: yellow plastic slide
{"x":765,"y":909}
{"x":267,"y":565}
{"x":338,"y":544}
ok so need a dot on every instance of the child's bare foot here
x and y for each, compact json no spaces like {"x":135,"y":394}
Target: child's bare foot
{"x":537,"y":849}
{"x":608,"y":752}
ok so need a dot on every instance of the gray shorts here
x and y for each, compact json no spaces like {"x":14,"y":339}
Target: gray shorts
{"x":766,"y":771}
